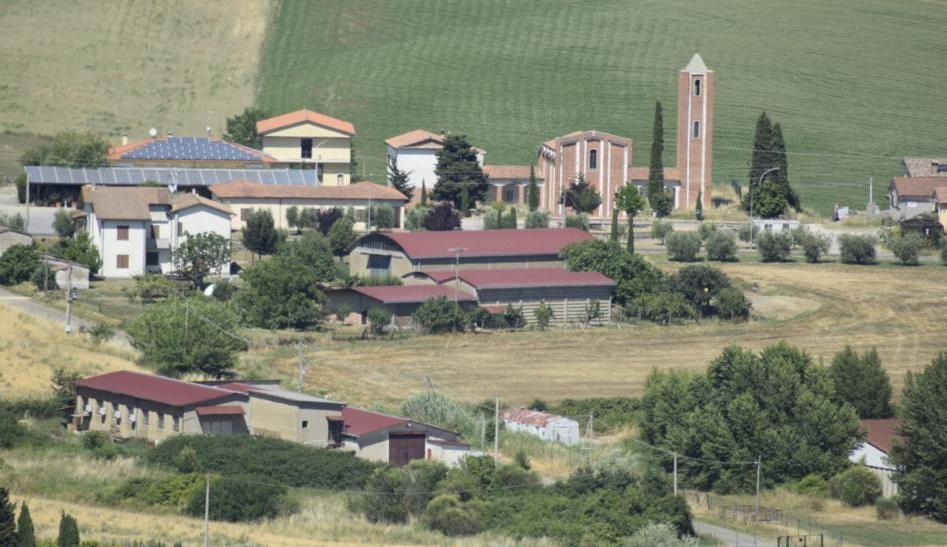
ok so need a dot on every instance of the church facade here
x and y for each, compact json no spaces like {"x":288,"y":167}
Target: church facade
{"x":604,"y":160}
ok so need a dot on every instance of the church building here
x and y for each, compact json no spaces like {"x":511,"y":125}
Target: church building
{"x":605,"y":159}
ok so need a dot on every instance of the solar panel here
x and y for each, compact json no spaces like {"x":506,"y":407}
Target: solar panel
{"x":191,"y":149}
{"x":135,"y":176}
{"x":942,"y":167}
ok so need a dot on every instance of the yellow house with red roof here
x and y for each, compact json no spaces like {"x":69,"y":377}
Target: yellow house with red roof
{"x":310,"y":139}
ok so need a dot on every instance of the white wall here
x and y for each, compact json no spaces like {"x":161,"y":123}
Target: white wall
{"x":198,"y":220}
{"x":561,"y":430}
{"x":419,"y":165}
{"x":110,"y":247}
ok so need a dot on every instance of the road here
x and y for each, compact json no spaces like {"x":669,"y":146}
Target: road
{"x":37,"y":309}
{"x":730,"y":537}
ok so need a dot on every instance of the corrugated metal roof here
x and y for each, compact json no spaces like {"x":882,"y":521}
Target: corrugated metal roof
{"x":360,"y":422}
{"x":287,"y":395}
{"x":533,"y":277}
{"x":482,"y":243}
{"x":225,"y":410}
{"x":181,"y":176}
{"x":406,"y":294}
{"x":150,"y":387}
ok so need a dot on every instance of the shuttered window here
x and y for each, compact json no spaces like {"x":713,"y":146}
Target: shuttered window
{"x":122,"y":233}
{"x":121,"y":261}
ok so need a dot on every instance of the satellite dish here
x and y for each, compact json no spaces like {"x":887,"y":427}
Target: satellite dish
{"x":153,"y":132}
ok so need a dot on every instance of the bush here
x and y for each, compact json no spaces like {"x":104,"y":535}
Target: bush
{"x":11,"y":431}
{"x":392,"y":494}
{"x":81,"y":250}
{"x":513,"y":318}
{"x":699,"y":286}
{"x":439,"y":315}
{"x":383,"y":217}
{"x":812,"y":485}
{"x":730,"y":303}
{"x":437,"y":409}
{"x":17,"y":264}
{"x":537,"y":219}
{"x":174,"y":492}
{"x":887,"y":508}
{"x":45,"y":278}
{"x":774,"y":246}
{"x":414,"y":221}
{"x":543,"y":314}
{"x":452,"y":517}
{"x":223,"y":290}
{"x":280,"y":293}
{"x":906,"y":247}
{"x":580,"y":221}
{"x":152,"y":287}
{"x":660,"y":229}
{"x":721,"y":246}
{"x":662,"y":308}
{"x":683,"y":246}
{"x":706,"y":229}
{"x":379,"y":318}
{"x":101,"y":333}
{"x":660,"y":535}
{"x":856,"y":486}
{"x":746,"y":233}
{"x":610,"y":413}
{"x":856,"y":249}
{"x":239,"y":499}
{"x":814,"y":246}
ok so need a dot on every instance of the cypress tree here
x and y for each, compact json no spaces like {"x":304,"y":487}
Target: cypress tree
{"x":660,"y":202}
{"x":513,"y":217}
{"x":533,"y":191}
{"x":25,"y":535}
{"x":613,"y":236}
{"x":68,"y":532}
{"x":762,"y":147}
{"x":781,"y":160}
{"x":7,"y":519}
{"x":423,"y":193}
{"x":699,"y":210}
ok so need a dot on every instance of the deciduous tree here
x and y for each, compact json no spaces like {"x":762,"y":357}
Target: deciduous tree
{"x":63,"y":223}
{"x":81,"y":250}
{"x":862,"y":382}
{"x":280,"y":293}
{"x":69,"y":149}
{"x":313,"y":251}
{"x":241,"y":128}
{"x":200,"y":255}
{"x":632,"y":274}
{"x":260,"y":234}
{"x":342,"y":236}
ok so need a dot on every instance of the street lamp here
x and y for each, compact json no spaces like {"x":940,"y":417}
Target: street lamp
{"x":762,"y":176}
{"x":456,"y":251}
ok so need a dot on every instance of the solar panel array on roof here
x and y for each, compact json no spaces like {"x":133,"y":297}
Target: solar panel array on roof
{"x":190,"y":148}
{"x":942,"y":167}
{"x":135,"y":176}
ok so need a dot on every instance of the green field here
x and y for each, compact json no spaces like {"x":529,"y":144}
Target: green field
{"x":856,"y":85}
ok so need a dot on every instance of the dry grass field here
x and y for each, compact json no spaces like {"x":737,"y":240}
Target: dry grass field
{"x":31,"y":348}
{"x":820,"y":308}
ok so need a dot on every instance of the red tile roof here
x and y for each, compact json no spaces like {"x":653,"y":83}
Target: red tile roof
{"x":219,"y":410}
{"x":302,"y":116}
{"x":532,"y":277}
{"x":404,"y":294}
{"x":149,"y":387}
{"x":917,"y":187}
{"x":186,"y":201}
{"x":509,"y":172}
{"x":239,"y":387}
{"x":528,"y":417}
{"x":356,"y":191}
{"x":421,"y":138}
{"x":360,"y":422}
{"x":881,"y":433}
{"x":481,"y":243}
{"x":940,"y":195}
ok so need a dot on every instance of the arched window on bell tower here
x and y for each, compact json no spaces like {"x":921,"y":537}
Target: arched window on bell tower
{"x":697,"y":87}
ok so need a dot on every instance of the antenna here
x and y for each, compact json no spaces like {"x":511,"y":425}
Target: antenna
{"x":153,"y":132}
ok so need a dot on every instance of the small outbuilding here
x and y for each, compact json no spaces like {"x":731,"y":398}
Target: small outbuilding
{"x":875,"y":451}
{"x":10,"y":237}
{"x":401,"y":300}
{"x":396,"y":441}
{"x":546,"y":426}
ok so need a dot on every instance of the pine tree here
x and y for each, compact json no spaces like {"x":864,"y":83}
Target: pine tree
{"x":398,"y":180}
{"x":533,"y":191}
{"x":613,"y":236}
{"x":661,"y":203}
{"x":7,"y":519}
{"x":25,"y":535}
{"x":459,"y":174}
{"x":862,"y":382}
{"x":68,"y":532}
{"x":423,"y":193}
{"x":699,"y":209}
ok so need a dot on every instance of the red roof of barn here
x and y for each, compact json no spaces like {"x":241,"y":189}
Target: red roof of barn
{"x":219,"y":410}
{"x":149,"y":387}
{"x":398,"y":294}
{"x":239,"y":387}
{"x":360,"y":422}
{"x":532,"y":277}
{"x":543,"y":241}
{"x":881,"y":433}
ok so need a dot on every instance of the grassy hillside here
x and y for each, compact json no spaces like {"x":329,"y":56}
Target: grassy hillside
{"x":855,"y":85}
{"x":116,"y":67}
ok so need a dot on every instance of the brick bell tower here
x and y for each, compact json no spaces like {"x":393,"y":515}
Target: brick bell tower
{"x":695,"y":131}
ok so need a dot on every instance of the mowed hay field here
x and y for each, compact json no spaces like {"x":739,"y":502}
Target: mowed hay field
{"x":855,"y":84}
{"x":116,"y":67}
{"x":819,"y":308}
{"x":31,"y":348}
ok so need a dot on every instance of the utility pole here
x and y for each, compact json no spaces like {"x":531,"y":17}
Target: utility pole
{"x":207,"y":510}
{"x":675,"y":472}
{"x":758,"y":458}
{"x":69,"y":299}
{"x":483,"y":432}
{"x":456,"y":251}
{"x":496,"y":428}
{"x":302,"y":366}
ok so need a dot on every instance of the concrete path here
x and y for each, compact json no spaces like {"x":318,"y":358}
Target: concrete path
{"x":42,"y":311}
{"x":731,"y":537}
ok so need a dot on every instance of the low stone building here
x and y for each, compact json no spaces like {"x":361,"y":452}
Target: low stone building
{"x":396,"y":441}
{"x":546,"y":426}
{"x":10,"y":237}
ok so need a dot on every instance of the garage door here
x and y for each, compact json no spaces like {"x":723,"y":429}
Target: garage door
{"x":404,"y":447}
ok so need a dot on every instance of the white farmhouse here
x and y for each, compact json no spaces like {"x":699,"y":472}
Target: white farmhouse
{"x":875,"y":450}
{"x":548,"y":427}
{"x":415,"y":154}
{"x":136,"y":228}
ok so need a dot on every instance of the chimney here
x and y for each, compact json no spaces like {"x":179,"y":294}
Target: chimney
{"x":124,"y":139}
{"x":209,"y":132}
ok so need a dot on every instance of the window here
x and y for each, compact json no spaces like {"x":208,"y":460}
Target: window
{"x":697,"y":87}
{"x":245,"y":213}
{"x":155,"y":231}
{"x":121,"y":262}
{"x":593,"y":159}
{"x":132,"y":419}
{"x":340,"y":179}
{"x":151,"y":259}
{"x":144,"y":417}
{"x":122,"y":233}
{"x":160,"y":421}
{"x":509,"y":194}
{"x":696,"y":129}
{"x":174,"y":423}
{"x":305,"y":424}
{"x":305,"y":148}
{"x":180,"y":228}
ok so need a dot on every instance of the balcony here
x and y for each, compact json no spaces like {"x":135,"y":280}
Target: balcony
{"x":157,"y":244}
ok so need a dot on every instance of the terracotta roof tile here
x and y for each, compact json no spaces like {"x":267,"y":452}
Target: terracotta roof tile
{"x":302,"y":116}
{"x":508,"y":172}
{"x":917,"y":187}
{"x":405,"y":294}
{"x":186,"y":201}
{"x":124,"y":202}
{"x":421,"y":138}
{"x":480,"y":243}
{"x":355,"y":191}
{"x":940,"y":195}
{"x":150,"y":387}
{"x":926,"y":167}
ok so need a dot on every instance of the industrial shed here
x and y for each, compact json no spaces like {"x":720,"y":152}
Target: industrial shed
{"x":396,"y":441}
{"x":400,"y":300}
{"x":398,"y":253}
{"x":571,"y":295}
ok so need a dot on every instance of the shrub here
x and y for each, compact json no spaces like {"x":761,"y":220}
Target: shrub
{"x":11,"y":431}
{"x":706,"y":229}
{"x":236,"y":499}
{"x":441,"y":218}
{"x":774,"y":246}
{"x":79,"y":249}
{"x":730,"y":303}
{"x":659,"y":535}
{"x":537,"y":219}
{"x":452,"y":517}
{"x":544,"y":315}
{"x":435,"y":408}
{"x":906,"y":247}
{"x":152,"y":287}
{"x":439,"y":315}
{"x":633,"y":274}
{"x":580,"y":221}
{"x":414,"y":221}
{"x":383,"y":217}
{"x":812,"y":485}
{"x":721,"y":246}
{"x":521,"y":458}
{"x":513,"y":318}
{"x":45,"y":278}
{"x":174,"y":492}
{"x":101,"y":333}
{"x":856,"y":486}
{"x":857,"y":249}
{"x":699,"y":285}
{"x":662,"y":307}
{"x":660,"y":229}
{"x":887,"y":508}
{"x":610,"y":412}
{"x":17,"y":264}
{"x":746,"y":233}
{"x":223,"y":290}
{"x":683,"y":246}
{"x":493,"y":218}
{"x":280,"y":293}
{"x":379,"y":318}
{"x":814,"y":246}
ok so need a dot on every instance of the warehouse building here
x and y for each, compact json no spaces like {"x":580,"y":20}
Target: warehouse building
{"x":401,"y":300}
{"x":386,"y":254}
{"x":396,"y":441}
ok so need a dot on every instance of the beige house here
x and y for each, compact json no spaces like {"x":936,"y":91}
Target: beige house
{"x":244,"y":197}
{"x":310,"y":139}
{"x":396,"y":441}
